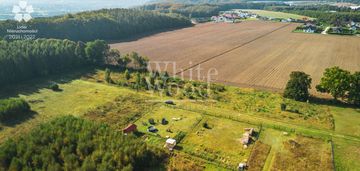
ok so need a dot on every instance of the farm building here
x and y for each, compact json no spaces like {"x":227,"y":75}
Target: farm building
{"x":170,"y":144}
{"x":130,"y":128}
{"x":246,"y":138}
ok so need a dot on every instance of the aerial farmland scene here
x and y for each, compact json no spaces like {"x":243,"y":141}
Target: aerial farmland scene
{"x":179,"y":85}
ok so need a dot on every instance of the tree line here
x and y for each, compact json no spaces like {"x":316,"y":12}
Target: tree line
{"x":71,"y":143}
{"x":105,"y":24}
{"x":27,"y":59}
{"x":338,"y":82}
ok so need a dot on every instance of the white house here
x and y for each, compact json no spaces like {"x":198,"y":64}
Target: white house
{"x":170,"y":144}
{"x":354,"y":7}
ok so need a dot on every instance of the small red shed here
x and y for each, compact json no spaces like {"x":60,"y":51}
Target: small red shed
{"x":130,"y":128}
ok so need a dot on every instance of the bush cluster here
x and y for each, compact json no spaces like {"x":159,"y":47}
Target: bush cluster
{"x":12,"y":108}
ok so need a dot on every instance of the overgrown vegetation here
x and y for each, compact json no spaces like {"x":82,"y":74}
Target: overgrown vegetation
{"x":71,"y":143}
{"x":107,"y":24}
{"x":123,"y":110}
{"x":303,"y":153}
{"x":12,"y":108}
{"x":162,"y":83}
{"x":258,"y":156}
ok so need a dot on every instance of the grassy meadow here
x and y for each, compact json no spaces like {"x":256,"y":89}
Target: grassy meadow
{"x":273,"y":14}
{"x":288,"y":139}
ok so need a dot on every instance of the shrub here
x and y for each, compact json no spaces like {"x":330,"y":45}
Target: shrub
{"x":164,"y":121}
{"x":206,"y":125}
{"x":12,"y":108}
{"x":127,"y":75}
{"x":152,"y":121}
{"x":283,"y":107}
{"x":178,"y":137}
{"x":297,"y":87}
{"x":54,"y":87}
{"x":108,"y":76}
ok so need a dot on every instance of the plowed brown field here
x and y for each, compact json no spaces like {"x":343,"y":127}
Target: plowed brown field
{"x":254,"y":53}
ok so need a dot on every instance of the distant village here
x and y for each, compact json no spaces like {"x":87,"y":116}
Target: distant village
{"x":308,"y":26}
{"x":347,"y":28}
{"x":234,"y":16}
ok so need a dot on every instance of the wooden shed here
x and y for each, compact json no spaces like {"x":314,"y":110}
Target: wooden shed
{"x":130,"y":128}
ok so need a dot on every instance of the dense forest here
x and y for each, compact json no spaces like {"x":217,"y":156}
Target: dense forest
{"x":27,"y":59}
{"x":70,"y":143}
{"x":203,"y":10}
{"x":106,"y":24}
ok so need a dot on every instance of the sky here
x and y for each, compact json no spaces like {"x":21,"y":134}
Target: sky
{"x":46,"y":8}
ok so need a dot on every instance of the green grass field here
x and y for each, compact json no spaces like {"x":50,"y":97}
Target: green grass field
{"x":213,"y":148}
{"x":273,"y":14}
{"x":346,"y":154}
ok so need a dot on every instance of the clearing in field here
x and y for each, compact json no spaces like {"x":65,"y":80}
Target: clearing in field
{"x":273,"y":14}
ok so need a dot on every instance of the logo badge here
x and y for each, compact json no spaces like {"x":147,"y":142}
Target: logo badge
{"x":23,"y":11}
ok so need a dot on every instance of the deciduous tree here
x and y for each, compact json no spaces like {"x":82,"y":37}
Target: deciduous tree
{"x":335,"y":81}
{"x":298,"y":86}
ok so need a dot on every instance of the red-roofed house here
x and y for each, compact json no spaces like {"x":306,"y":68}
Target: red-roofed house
{"x":130,"y":128}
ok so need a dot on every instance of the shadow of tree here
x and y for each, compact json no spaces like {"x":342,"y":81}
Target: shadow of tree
{"x":331,"y":102}
{"x":35,"y":85}
{"x":19,"y":119}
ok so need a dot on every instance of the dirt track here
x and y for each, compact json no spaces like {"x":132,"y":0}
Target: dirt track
{"x":255,"y":54}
